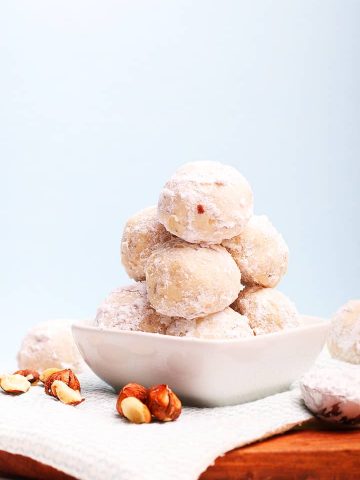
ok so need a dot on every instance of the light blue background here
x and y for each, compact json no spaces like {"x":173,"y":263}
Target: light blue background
{"x":101,"y":101}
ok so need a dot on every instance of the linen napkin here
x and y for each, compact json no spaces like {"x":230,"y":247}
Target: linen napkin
{"x":91,"y":441}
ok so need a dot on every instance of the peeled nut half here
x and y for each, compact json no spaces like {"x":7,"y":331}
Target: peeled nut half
{"x":131,"y":390}
{"x":65,"y":394}
{"x":131,"y":403}
{"x":135,"y":410}
{"x":15,"y":384}
{"x":31,"y":375}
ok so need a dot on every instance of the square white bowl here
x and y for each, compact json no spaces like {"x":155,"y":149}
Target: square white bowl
{"x":203,"y":372}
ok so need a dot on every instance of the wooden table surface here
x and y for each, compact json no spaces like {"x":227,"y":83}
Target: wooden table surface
{"x":307,"y":453}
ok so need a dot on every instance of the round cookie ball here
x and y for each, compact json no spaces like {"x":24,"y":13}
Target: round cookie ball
{"x":143,"y":232}
{"x":189,"y":281}
{"x":127,"y":308}
{"x":267,"y":309}
{"x":205,"y":202}
{"x":332,"y":393}
{"x":344,"y":335}
{"x":50,"y":345}
{"x":260,"y":252}
{"x":221,"y":325}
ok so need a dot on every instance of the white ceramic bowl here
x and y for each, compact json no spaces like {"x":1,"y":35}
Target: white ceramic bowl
{"x":203,"y":372}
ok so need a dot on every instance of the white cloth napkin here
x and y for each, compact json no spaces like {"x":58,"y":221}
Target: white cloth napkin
{"x":91,"y":441}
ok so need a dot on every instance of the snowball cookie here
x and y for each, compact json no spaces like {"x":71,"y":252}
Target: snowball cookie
{"x":205,"y":202}
{"x":260,"y":252}
{"x":332,"y":392}
{"x":267,"y":309}
{"x":143,"y":232}
{"x":221,"y":325}
{"x":127,"y":308}
{"x":50,"y":345}
{"x":344,"y":335}
{"x":189,"y":281}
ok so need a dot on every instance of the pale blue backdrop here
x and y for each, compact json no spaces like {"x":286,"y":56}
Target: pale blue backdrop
{"x":101,"y":101}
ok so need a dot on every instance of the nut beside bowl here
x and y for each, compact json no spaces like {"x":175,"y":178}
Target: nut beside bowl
{"x":203,"y":372}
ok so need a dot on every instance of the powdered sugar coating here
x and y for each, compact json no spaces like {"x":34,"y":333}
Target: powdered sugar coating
{"x":344,"y":335}
{"x":50,"y":344}
{"x":267,"y":309}
{"x":336,"y":379}
{"x":226,"y":324}
{"x":142,"y":234}
{"x":205,"y":202}
{"x":189,"y":281}
{"x":260,"y":252}
{"x":127,"y":308}
{"x":333,"y":392}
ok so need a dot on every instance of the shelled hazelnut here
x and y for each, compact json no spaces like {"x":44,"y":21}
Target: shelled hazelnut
{"x":66,"y":376}
{"x":45,"y":374}
{"x":138,"y":404}
{"x":135,"y":410}
{"x":15,"y":384}
{"x":131,"y":390}
{"x":163,"y":403}
{"x":65,"y":394}
{"x":31,"y":375}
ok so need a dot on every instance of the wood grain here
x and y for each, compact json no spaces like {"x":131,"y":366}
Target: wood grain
{"x":18,"y":466}
{"x":308,"y":453}
{"x":312,"y":452}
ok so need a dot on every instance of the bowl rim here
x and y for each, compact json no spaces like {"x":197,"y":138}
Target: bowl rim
{"x":313,"y":323}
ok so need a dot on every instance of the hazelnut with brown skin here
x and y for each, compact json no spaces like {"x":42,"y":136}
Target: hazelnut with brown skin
{"x":163,"y":404}
{"x":138,"y":404}
{"x":45,"y":374}
{"x":66,"y":376}
{"x":131,"y":390}
{"x":31,"y":375}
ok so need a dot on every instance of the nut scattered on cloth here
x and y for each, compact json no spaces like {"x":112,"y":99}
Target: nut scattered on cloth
{"x":15,"y":384}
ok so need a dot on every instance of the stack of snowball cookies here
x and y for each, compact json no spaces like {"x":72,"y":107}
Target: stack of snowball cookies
{"x":203,"y":264}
